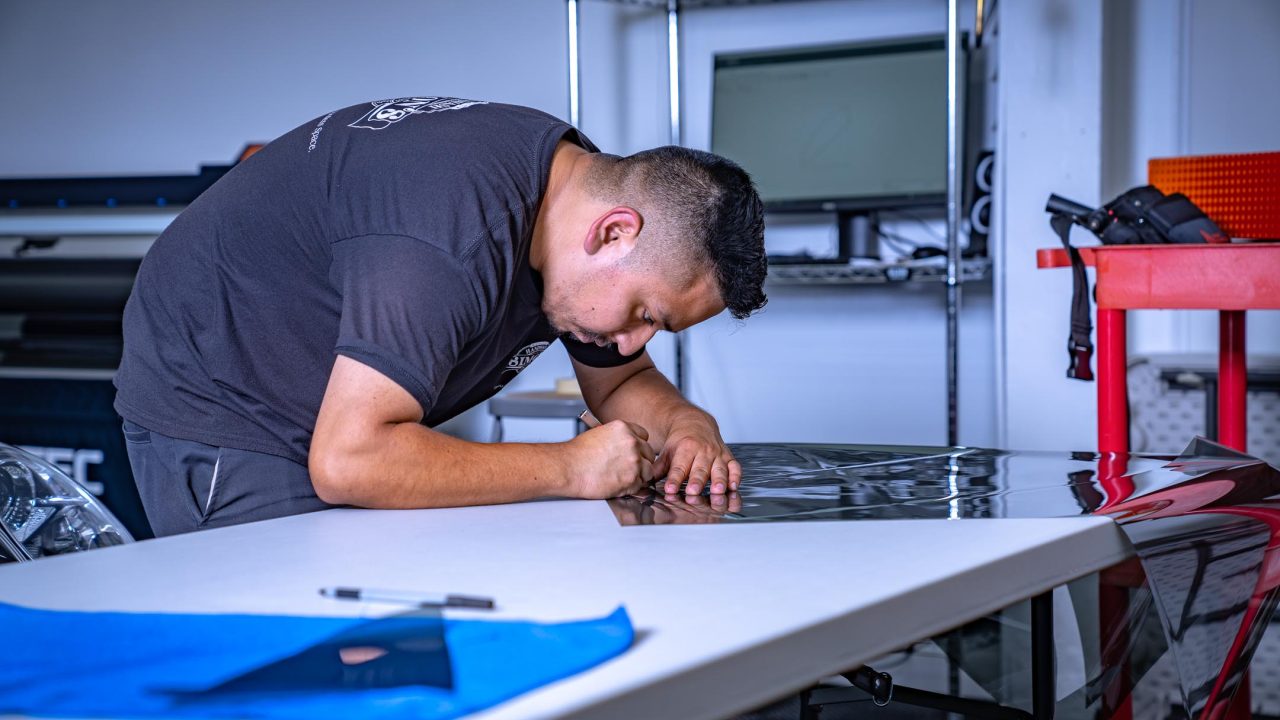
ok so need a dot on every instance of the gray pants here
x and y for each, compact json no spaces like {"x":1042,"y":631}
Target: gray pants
{"x":186,"y":485}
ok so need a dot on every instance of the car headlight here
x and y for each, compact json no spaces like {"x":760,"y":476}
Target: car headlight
{"x":44,"y":512}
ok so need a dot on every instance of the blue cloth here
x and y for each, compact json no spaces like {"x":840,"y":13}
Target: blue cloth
{"x":143,"y":665}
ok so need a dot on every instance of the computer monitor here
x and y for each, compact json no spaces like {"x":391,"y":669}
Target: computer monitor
{"x":837,"y":128}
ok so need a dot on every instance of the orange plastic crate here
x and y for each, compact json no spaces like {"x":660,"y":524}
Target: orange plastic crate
{"x":1241,"y":192}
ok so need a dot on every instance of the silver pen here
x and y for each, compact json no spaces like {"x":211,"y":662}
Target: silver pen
{"x":417,"y":599}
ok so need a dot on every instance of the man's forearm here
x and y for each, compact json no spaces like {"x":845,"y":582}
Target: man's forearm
{"x":368,"y":449}
{"x":407,"y":465}
{"x":651,"y":401}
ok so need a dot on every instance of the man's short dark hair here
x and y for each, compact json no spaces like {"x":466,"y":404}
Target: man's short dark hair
{"x":699,"y":196}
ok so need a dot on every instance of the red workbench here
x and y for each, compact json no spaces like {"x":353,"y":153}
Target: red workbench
{"x":1230,"y":278}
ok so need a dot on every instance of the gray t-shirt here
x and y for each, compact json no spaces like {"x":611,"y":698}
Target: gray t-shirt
{"x":396,"y":233}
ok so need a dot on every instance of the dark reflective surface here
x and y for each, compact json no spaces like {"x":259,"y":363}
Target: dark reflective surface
{"x":1205,"y":525}
{"x":408,"y":649}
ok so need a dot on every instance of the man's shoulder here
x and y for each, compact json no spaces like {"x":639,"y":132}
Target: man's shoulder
{"x":501,"y":125}
{"x":427,"y":112}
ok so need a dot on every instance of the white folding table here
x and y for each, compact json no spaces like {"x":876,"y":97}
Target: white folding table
{"x":728,"y":617}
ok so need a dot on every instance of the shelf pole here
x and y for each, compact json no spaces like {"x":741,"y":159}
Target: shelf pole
{"x":953,"y":220}
{"x":673,"y":91}
{"x":673,"y":67}
{"x":574,"y":108}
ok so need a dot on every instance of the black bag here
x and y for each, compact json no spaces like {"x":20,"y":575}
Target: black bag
{"x":1141,"y":216}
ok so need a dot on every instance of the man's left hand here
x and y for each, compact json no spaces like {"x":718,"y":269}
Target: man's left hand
{"x":695,"y":453}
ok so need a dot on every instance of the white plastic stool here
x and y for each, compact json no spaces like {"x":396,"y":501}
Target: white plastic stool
{"x":544,"y":404}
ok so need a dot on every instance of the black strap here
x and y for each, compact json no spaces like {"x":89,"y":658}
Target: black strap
{"x":1079,"y":344}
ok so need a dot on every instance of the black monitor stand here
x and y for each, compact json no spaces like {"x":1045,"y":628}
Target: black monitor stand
{"x":856,"y":236}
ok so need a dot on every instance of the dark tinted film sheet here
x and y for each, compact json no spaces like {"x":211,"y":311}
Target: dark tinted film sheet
{"x":1205,"y":526}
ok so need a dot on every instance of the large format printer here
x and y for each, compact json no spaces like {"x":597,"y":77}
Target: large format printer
{"x":69,"y":251}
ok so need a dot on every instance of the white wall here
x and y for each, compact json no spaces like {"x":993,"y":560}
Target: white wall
{"x":1049,"y":99}
{"x":154,"y":86}
{"x":1189,"y":77}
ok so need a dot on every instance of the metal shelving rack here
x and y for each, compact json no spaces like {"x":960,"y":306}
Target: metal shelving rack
{"x":971,"y":270}
{"x":955,"y":272}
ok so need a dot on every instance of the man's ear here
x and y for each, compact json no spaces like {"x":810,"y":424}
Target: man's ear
{"x":616,"y":230}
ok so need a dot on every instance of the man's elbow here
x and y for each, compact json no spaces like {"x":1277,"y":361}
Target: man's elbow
{"x":333,"y":476}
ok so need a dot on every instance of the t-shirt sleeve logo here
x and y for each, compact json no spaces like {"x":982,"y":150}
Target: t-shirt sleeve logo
{"x":520,"y":361}
{"x":388,"y":112}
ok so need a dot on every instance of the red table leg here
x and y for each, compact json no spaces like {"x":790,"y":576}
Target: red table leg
{"x":1113,"y":613}
{"x":1232,"y":430}
{"x":1113,"y":404}
{"x":1232,"y":380}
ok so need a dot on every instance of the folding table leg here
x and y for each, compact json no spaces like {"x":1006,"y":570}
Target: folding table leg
{"x":1113,"y":402}
{"x":1043,"y":670}
{"x":1232,"y":380}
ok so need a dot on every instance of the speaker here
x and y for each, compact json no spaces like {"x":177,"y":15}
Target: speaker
{"x":980,"y":203}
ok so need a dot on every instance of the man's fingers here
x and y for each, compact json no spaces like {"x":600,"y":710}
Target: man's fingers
{"x":735,"y":473}
{"x":699,"y":465}
{"x":646,"y":473}
{"x":698,"y":475}
{"x":680,"y":464}
{"x":675,"y":478}
{"x":640,"y":480}
{"x":719,"y":476}
{"x":662,"y":466}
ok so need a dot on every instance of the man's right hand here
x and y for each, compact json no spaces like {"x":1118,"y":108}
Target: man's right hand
{"x":610,"y":461}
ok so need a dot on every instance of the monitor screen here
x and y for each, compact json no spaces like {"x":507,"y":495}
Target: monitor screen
{"x":840,"y":127}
